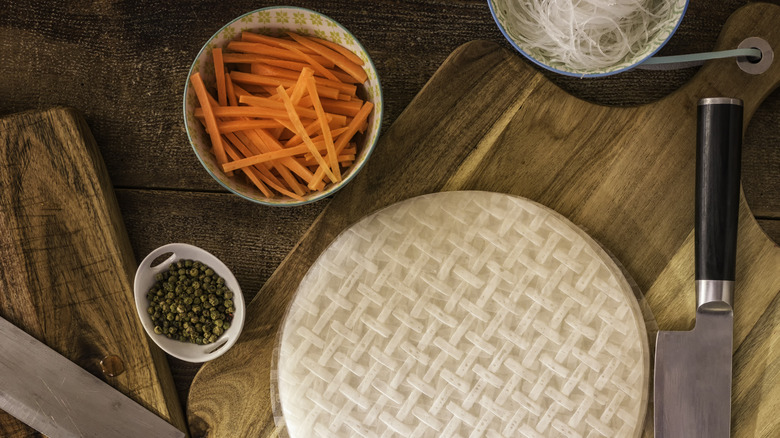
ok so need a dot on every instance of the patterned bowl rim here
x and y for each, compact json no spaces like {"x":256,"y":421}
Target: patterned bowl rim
{"x":359,"y":163}
{"x":609,"y":71}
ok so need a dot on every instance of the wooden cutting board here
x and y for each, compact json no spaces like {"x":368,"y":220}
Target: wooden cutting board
{"x":66,"y":265}
{"x":488,"y":121}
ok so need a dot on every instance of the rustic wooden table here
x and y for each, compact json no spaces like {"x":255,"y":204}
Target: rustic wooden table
{"x":123,"y":65}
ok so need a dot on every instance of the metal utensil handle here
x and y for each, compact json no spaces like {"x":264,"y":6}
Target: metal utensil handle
{"x":718,"y":159}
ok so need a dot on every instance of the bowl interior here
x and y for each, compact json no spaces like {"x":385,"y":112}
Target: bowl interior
{"x":498,"y":9}
{"x":144,"y":280}
{"x":276,"y":21}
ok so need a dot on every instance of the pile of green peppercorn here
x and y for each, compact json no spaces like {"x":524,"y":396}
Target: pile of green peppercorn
{"x":191,"y":303}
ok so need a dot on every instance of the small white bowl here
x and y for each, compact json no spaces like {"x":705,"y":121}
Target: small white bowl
{"x":275,"y":21}
{"x":145,"y":279}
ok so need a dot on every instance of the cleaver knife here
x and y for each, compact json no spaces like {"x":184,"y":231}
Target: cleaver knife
{"x":60,"y":399}
{"x":693,"y":368}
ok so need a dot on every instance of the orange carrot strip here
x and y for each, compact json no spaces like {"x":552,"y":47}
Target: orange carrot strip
{"x":243,"y":125}
{"x":271,"y":144}
{"x":230,"y":90}
{"x":251,"y":58}
{"x":302,"y":131}
{"x":351,"y":68}
{"x":258,"y":144}
{"x":300,"y":85}
{"x":276,"y":52}
{"x":346,"y":90}
{"x":309,"y":160}
{"x":248,"y":78}
{"x":294,"y":141}
{"x":265,"y":176}
{"x":271,"y":41}
{"x":234,"y":155}
{"x":211,"y":121}
{"x":315,"y":99}
{"x":303,"y":111}
{"x":274,"y":155}
{"x":319,"y":68}
{"x":338,"y":48}
{"x":244,"y":111}
{"x":346,"y":108}
{"x":219,"y":73}
{"x":344,"y":138}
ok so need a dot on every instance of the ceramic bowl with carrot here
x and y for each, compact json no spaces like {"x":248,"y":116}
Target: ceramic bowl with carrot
{"x":283,"y":106}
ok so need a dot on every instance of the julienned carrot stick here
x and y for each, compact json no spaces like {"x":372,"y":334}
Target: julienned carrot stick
{"x":262,"y":173}
{"x":219,"y":74}
{"x":352,"y":69}
{"x":344,"y":138}
{"x":265,"y":102}
{"x":348,"y":90}
{"x":277,"y":52}
{"x":346,"y":108}
{"x":262,"y":136}
{"x":271,"y":41}
{"x":308,"y":160}
{"x":211,"y":121}
{"x":234,"y":155}
{"x":258,"y":145}
{"x":231,"y":92}
{"x":315,"y":99}
{"x":242,"y":149}
{"x":248,"y":78}
{"x":312,"y":129}
{"x":244,"y":111}
{"x":338,"y":48}
{"x":300,"y":86}
{"x":316,"y":66}
{"x":243,"y":125}
{"x":302,"y":131}
{"x":277,"y":154}
{"x":252,"y":58}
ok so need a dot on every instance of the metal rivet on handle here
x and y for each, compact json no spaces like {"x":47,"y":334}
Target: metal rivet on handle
{"x":760,"y":66}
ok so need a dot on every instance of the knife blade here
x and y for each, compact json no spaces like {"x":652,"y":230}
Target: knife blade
{"x":692,"y":385}
{"x":58,"y":398}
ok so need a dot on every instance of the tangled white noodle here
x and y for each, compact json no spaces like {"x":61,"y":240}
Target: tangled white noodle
{"x":586,"y":35}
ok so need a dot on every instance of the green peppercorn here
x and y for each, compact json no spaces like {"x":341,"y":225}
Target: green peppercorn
{"x":189,"y":302}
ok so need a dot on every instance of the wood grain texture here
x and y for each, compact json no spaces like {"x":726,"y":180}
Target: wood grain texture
{"x":67,"y":264}
{"x":625,"y":174}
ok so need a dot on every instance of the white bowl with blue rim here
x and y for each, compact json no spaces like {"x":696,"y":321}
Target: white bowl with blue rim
{"x":499,"y":9}
{"x":276,"y":21}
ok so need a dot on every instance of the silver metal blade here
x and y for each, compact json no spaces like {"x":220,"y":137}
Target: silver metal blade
{"x":693,"y":377}
{"x":60,"y":399}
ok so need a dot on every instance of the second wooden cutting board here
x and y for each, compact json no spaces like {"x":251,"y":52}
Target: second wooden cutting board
{"x":66,"y":264}
{"x":487,"y":121}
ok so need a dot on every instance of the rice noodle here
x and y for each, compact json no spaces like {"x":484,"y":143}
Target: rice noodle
{"x":586,"y":35}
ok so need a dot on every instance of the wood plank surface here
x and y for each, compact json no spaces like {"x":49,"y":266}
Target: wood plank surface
{"x":66,"y":265}
{"x":625,"y":174}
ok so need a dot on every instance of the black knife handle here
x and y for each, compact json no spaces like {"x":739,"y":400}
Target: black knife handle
{"x":718,"y":159}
